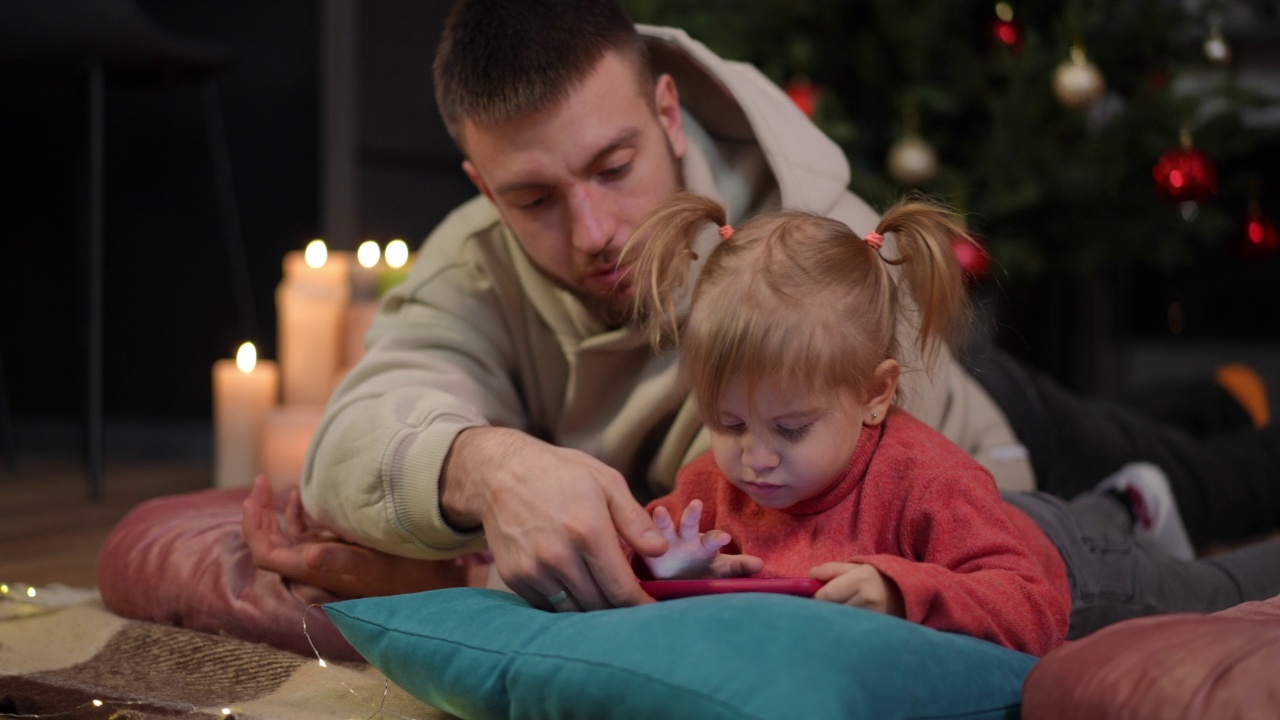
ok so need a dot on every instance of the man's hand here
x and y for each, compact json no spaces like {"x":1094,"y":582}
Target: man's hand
{"x":302,"y":552}
{"x":554,"y":517}
{"x":858,"y":585}
{"x":691,"y":554}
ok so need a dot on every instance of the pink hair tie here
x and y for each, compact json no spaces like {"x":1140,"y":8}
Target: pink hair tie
{"x":726,"y":231}
{"x":874,"y":239}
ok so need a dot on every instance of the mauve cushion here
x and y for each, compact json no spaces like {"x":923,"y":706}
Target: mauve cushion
{"x":182,"y":560}
{"x":1215,"y":667}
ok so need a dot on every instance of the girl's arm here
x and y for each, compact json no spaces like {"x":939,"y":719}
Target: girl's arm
{"x":965,"y":568}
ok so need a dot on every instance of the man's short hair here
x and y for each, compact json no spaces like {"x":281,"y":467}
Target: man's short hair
{"x":501,"y":59}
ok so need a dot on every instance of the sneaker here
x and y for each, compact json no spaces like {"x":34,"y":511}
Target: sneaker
{"x":1155,"y":511}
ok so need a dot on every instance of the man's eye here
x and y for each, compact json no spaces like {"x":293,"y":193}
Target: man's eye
{"x":534,"y":204}
{"x":616,"y":171}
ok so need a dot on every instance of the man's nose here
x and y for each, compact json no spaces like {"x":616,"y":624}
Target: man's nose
{"x":592,"y":219}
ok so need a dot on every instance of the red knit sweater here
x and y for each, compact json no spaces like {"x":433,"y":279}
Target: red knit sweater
{"x":925,"y":515}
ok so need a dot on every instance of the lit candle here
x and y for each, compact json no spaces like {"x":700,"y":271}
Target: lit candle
{"x":365,"y":271}
{"x":244,"y":392}
{"x":311,"y":306}
{"x":365,"y":274}
{"x":397,"y":271}
{"x":286,"y":436}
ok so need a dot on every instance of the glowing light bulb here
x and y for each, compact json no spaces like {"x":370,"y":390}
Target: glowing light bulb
{"x":97,"y":702}
{"x":323,"y":664}
{"x":246,"y":357}
{"x":397,"y":253}
{"x":226,"y":712}
{"x":368,"y":253}
{"x":31,"y":592}
{"x":316,"y":253}
{"x":4,"y":589}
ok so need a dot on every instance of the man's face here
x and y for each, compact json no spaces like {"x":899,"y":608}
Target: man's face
{"x":573,"y":181}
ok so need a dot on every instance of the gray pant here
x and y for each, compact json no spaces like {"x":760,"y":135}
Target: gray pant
{"x":1115,"y":576}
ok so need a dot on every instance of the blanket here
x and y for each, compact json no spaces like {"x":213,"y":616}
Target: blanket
{"x":63,"y":654}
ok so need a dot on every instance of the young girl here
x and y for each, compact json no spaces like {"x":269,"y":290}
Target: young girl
{"x":789,"y":346}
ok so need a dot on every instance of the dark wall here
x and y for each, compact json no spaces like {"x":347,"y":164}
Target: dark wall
{"x":169,"y":308}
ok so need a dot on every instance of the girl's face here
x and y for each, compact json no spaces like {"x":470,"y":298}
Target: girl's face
{"x":791,"y":444}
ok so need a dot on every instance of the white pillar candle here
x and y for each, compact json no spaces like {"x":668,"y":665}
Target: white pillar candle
{"x":365,"y":271}
{"x":311,"y":306}
{"x":286,"y":436}
{"x":365,"y":275}
{"x":245,"y":390}
{"x":359,"y":317}
{"x":397,"y":265}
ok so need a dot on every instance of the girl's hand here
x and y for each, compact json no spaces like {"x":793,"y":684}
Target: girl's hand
{"x":858,"y":585}
{"x":691,"y":554}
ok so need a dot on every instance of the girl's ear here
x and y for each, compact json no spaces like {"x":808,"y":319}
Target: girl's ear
{"x":883,"y":388}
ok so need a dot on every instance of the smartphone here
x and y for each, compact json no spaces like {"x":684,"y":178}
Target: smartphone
{"x":672,"y":589}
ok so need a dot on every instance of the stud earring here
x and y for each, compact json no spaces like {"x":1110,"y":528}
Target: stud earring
{"x":873,"y":416}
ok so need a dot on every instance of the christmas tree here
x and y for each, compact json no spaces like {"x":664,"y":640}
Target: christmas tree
{"x":1091,"y":146}
{"x":982,"y":105}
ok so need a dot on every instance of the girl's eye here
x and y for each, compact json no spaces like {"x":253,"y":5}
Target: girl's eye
{"x":795,"y":433}
{"x":732,"y":428}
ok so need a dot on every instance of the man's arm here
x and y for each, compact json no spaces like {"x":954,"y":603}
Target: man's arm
{"x":301,"y":552}
{"x":553,"y":517}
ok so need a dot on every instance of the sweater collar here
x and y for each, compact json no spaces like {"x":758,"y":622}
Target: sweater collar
{"x":853,"y":474}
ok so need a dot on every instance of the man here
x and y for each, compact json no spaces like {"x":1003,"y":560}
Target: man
{"x":504,"y":404}
{"x":503,"y":397}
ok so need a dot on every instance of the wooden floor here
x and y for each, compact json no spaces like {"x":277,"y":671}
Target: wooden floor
{"x":50,"y":532}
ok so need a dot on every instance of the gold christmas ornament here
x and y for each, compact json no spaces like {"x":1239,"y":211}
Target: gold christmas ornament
{"x":1077,"y":83}
{"x":912,"y":161}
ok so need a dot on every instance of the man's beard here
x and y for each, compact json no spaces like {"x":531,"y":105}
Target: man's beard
{"x":614,"y":310}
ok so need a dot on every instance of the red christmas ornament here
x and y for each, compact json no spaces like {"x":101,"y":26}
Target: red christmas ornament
{"x":1007,"y":33}
{"x":1257,"y":238}
{"x":1185,"y":174}
{"x":804,"y":94}
{"x":973,"y":258}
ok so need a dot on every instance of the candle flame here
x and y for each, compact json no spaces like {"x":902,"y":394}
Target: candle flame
{"x":397,"y":253}
{"x":246,"y":357}
{"x":367,"y":254}
{"x":316,"y":253}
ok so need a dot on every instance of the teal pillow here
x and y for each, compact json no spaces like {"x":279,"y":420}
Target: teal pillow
{"x":487,"y":654}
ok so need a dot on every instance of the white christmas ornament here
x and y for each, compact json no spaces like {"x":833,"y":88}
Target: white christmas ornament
{"x":1216,"y":47}
{"x":912,"y":161}
{"x":1077,"y":82}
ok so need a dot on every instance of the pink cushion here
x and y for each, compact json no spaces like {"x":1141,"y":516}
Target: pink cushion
{"x":1215,"y":666}
{"x":182,"y":560}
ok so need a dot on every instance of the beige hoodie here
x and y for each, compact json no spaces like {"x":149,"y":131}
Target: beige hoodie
{"x":477,"y":335}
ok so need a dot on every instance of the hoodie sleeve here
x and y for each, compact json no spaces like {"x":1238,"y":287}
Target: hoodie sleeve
{"x":439,"y":361}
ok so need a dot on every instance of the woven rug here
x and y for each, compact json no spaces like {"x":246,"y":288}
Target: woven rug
{"x":64,"y":655}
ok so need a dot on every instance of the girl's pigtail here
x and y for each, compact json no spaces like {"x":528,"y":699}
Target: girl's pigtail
{"x":924,"y":230}
{"x":660,"y":251}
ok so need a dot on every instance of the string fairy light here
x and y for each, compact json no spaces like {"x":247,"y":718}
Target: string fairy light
{"x":386,"y":682}
{"x":22,"y":593}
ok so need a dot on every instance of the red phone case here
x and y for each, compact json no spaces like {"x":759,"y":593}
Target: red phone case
{"x":672,"y":589}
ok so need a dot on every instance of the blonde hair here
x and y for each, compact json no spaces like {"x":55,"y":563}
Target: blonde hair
{"x":793,"y":295}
